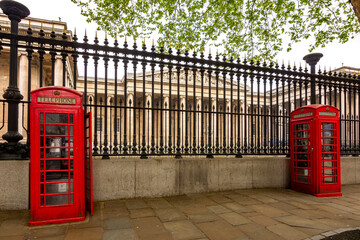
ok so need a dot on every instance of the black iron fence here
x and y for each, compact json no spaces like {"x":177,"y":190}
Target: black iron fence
{"x":167,"y":102}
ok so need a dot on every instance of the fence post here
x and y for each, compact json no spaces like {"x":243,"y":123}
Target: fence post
{"x":312,"y":59}
{"x":15,"y":11}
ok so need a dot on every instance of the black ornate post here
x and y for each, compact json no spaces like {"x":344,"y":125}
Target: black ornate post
{"x":312,"y":59}
{"x":15,"y":11}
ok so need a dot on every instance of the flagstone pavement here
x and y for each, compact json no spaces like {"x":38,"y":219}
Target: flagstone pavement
{"x":234,"y":215}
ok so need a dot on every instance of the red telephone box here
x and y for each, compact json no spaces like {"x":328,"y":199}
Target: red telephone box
{"x":315,"y":150}
{"x":60,"y":157}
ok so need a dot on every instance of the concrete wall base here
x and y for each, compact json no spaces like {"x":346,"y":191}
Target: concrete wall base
{"x":14,"y":184}
{"x":130,"y":177}
{"x":155,"y":177}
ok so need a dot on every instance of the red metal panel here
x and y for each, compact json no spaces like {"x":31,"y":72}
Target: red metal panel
{"x":88,"y":164}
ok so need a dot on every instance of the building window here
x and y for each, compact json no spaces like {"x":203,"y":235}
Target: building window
{"x":99,"y":124}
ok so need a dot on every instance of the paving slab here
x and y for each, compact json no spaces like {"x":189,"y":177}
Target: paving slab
{"x":244,"y":200}
{"x":13,"y":227}
{"x":268,"y":210}
{"x":257,"y":232}
{"x":311,"y":214}
{"x":220,"y":198}
{"x":169,"y":214}
{"x":218,"y":209}
{"x":183,"y":230}
{"x":47,"y":231}
{"x":220,"y":230}
{"x":49,"y":238}
{"x":150,"y":228}
{"x":234,"y":218}
{"x":236,"y":207}
{"x":118,"y":211}
{"x":117,"y":223}
{"x":263,"y":198}
{"x":142,"y":212}
{"x":263,"y":220}
{"x":309,"y":231}
{"x":158,"y":203}
{"x":12,"y":238}
{"x":283,"y":206}
{"x":135,"y":204}
{"x":300,"y":205}
{"x":287,"y":232}
{"x":205,"y":201}
{"x":200,"y":218}
{"x":119,"y":234}
{"x":193,"y":208}
{"x":84,"y":233}
{"x":297,"y":221}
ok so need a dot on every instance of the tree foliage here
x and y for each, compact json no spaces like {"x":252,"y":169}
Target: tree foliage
{"x":256,"y":27}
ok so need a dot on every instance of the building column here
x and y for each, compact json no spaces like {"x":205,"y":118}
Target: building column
{"x":23,"y":88}
{"x":198,"y":120}
{"x":342,"y":114}
{"x":166,"y":120}
{"x":213,"y":121}
{"x":58,"y":78}
{"x":130,"y":118}
{"x":148,"y":117}
{"x":228,"y":127}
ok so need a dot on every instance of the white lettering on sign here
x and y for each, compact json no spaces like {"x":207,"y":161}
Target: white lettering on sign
{"x":327,"y":113}
{"x":56,"y":100}
{"x":303,"y":115}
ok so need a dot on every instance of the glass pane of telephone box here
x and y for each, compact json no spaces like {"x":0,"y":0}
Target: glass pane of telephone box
{"x":59,"y":153}
{"x":56,"y":130}
{"x":329,"y":125}
{"x":57,"y":200}
{"x":56,"y":118}
{"x":59,"y":187}
{"x":302,"y":179}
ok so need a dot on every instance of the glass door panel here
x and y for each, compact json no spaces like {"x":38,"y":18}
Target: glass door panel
{"x":302,"y":166}
{"x":56,"y":159}
{"x":329,"y":173}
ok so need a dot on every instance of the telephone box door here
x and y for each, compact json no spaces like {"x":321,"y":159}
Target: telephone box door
{"x":329,"y":174}
{"x":88,"y":164}
{"x":302,"y":167}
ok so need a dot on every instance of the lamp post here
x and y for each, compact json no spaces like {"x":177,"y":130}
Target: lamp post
{"x":15,"y":11}
{"x":312,"y":59}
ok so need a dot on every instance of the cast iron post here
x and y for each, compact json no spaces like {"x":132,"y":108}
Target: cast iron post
{"x":15,"y":11}
{"x":312,"y":59}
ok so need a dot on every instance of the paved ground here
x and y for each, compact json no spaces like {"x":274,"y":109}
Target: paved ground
{"x":242,"y":214}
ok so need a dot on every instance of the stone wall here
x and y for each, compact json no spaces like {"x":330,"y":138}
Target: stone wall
{"x":133,"y":177}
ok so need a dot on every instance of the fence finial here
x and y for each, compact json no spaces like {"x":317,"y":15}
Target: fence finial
{"x":41,"y":27}
{"x":30,"y":24}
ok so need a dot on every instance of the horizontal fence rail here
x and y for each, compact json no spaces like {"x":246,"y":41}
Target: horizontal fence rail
{"x":164,"y":102}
